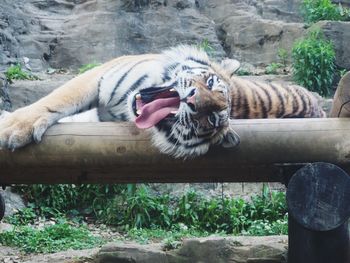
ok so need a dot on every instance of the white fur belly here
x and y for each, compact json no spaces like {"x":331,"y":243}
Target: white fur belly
{"x":86,"y":116}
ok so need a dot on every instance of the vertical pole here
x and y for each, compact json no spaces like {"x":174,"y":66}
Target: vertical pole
{"x":2,"y":207}
{"x":318,"y":198}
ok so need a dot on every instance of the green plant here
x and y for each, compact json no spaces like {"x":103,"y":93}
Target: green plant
{"x":139,"y":207}
{"x":61,"y":236}
{"x":15,"y":72}
{"x":313,"y":63}
{"x":244,"y":72}
{"x":342,"y":72}
{"x":273,"y":68}
{"x":264,"y":228}
{"x":133,"y":206}
{"x":22,"y":217}
{"x":316,"y":10}
{"x":206,"y":46}
{"x":88,"y":66}
{"x":283,"y":55}
{"x":186,"y":211}
{"x":50,"y":200}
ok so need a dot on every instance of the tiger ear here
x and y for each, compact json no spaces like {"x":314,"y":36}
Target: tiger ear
{"x":230,"y":65}
{"x":231,"y":139}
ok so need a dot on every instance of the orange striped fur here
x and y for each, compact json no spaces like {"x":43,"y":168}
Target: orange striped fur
{"x":253,"y":99}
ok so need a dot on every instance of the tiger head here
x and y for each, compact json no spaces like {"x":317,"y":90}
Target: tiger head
{"x":191,"y":110}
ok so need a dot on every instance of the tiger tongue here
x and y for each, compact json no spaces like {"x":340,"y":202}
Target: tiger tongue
{"x":155,"y":111}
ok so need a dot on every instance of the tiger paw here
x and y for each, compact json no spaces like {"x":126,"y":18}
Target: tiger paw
{"x":231,"y":139}
{"x":21,"y":127}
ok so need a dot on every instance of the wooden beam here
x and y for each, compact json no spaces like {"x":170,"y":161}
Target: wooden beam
{"x":120,"y":153}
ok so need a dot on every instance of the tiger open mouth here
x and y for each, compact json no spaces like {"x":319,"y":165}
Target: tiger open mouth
{"x":154,"y":104}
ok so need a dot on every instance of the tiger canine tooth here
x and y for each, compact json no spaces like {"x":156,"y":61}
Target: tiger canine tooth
{"x":138,"y":112}
{"x":172,"y":90}
{"x":174,"y":112}
{"x":138,"y":96}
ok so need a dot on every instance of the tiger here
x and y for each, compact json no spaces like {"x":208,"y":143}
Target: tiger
{"x":181,"y":95}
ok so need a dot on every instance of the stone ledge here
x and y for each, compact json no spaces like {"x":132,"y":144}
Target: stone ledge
{"x":270,"y":249}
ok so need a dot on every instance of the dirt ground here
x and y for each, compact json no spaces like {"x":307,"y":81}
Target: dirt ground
{"x":12,"y":255}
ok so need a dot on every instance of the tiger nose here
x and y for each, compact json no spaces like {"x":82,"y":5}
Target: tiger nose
{"x":191,"y":98}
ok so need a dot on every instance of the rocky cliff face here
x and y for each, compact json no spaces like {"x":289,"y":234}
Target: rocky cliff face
{"x":69,"y":33}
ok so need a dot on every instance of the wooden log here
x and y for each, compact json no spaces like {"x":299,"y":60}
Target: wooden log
{"x":119,"y":153}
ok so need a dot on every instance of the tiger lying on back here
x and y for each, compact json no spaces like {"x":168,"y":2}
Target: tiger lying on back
{"x":180,"y":94}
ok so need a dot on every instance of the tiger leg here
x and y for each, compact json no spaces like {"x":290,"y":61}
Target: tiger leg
{"x":341,"y":101}
{"x":29,"y":123}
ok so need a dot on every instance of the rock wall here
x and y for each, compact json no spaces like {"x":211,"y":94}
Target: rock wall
{"x":5,"y":102}
{"x":339,"y":34}
{"x":66,"y":33}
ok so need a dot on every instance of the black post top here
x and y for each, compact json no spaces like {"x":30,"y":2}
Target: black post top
{"x":318,"y":196}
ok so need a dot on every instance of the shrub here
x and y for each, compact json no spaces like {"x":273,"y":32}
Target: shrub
{"x":22,"y":217}
{"x":313,"y":63}
{"x":316,"y":10}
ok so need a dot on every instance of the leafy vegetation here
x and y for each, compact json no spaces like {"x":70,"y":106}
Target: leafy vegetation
{"x":139,"y":214}
{"x":313,"y":63}
{"x":342,"y":72}
{"x":243,"y":72}
{"x":88,"y":66}
{"x":51,"y":200}
{"x":283,"y":55}
{"x":206,"y":46}
{"x":281,"y":66}
{"x":15,"y":72}
{"x":61,"y":236}
{"x":273,"y":68}
{"x":316,"y":10}
{"x":135,"y":207}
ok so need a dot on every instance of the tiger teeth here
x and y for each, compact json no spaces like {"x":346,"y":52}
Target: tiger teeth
{"x":138,"y":112}
{"x":172,"y":90}
{"x":138,"y":96}
{"x":173,"y":112}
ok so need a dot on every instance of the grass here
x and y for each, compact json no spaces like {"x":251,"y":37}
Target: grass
{"x":206,"y":46}
{"x":87,"y":67}
{"x":131,"y":206}
{"x":59,"y":237}
{"x":15,"y":72}
{"x":243,"y":72}
{"x":273,"y":68}
{"x":139,"y":215}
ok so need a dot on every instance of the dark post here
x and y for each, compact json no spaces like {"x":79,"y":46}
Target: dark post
{"x":2,"y":207}
{"x":318,"y":198}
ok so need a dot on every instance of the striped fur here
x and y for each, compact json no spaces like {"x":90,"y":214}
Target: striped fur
{"x":254,"y":100}
{"x":208,"y":94}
